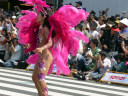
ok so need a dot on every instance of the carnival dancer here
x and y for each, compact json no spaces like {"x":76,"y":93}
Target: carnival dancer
{"x":51,"y":37}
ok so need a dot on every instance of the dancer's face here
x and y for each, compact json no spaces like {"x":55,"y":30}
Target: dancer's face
{"x":40,"y":18}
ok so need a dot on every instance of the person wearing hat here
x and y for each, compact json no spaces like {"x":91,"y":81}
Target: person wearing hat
{"x":123,"y":24}
{"x":109,"y":25}
{"x":124,"y":33}
{"x":109,"y":40}
{"x":93,"y":30}
{"x":117,"y":18}
{"x":79,"y":5}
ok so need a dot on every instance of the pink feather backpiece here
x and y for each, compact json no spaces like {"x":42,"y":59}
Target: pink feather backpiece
{"x":28,"y":29}
{"x":66,"y":40}
{"x":38,"y":4}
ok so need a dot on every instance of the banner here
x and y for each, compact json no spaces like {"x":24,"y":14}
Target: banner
{"x":32,"y":66}
{"x":115,"y":77}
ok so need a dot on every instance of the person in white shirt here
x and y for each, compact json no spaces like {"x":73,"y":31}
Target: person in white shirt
{"x":94,"y":34}
{"x":102,"y":24}
{"x":103,"y":65}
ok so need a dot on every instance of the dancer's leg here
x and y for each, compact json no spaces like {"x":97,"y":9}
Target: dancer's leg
{"x":42,"y":72}
{"x":35,"y":79}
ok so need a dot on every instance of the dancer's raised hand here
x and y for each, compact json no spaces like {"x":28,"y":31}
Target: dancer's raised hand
{"x":39,"y":50}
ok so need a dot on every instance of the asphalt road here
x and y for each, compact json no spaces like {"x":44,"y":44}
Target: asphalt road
{"x":17,"y":82}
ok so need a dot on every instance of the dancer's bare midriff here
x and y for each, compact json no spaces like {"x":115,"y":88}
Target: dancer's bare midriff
{"x":46,"y":55}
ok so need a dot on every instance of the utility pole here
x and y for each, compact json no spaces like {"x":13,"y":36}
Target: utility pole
{"x":60,"y":3}
{"x":55,"y":5}
{"x":9,"y":4}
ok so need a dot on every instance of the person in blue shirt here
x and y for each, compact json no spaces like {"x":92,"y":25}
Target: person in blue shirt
{"x":124,"y":28}
{"x":119,"y":63}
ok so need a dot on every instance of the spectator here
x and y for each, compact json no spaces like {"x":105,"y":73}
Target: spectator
{"x":95,"y":51}
{"x":79,"y":27}
{"x":102,"y":30}
{"x":103,"y":64}
{"x":119,"y":64}
{"x":93,"y":30}
{"x":81,"y":63}
{"x":117,"y":18}
{"x":3,"y":40}
{"x":79,"y":5}
{"x":109,"y":40}
{"x":124,"y":48}
{"x":1,"y":26}
{"x":14,"y":20}
{"x":15,"y":52}
{"x":102,"y":24}
{"x":124,"y":28}
{"x":109,"y":25}
{"x":124,"y":15}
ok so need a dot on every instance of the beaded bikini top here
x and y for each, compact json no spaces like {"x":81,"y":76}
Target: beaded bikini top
{"x":39,"y":36}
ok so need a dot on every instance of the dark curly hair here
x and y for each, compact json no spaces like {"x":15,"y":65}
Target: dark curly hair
{"x":46,"y":23}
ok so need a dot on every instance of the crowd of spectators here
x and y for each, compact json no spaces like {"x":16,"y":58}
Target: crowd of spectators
{"x":11,"y":52}
{"x":107,"y":50}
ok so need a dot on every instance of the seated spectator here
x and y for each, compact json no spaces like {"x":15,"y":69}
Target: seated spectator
{"x":15,"y":51}
{"x":79,"y":27}
{"x":119,"y":64}
{"x":124,"y":28}
{"x":124,"y":46}
{"x":93,"y":30}
{"x":82,"y":62}
{"x":3,"y":41}
{"x":109,"y":40}
{"x":103,"y":64}
{"x":1,"y":26}
{"x":95,"y":51}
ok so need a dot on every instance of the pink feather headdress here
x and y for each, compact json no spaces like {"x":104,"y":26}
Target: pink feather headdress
{"x":38,"y":5}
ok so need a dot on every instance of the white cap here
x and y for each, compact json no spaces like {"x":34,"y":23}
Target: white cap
{"x":14,"y":17}
{"x":124,"y":21}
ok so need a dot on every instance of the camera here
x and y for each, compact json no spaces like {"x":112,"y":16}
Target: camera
{"x":126,"y":42}
{"x":102,"y":12}
{"x":124,"y":12}
{"x":7,"y":35}
{"x":93,"y":13}
{"x":7,"y":20}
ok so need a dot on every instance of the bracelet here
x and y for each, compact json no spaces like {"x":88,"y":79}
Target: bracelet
{"x":123,"y":47}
